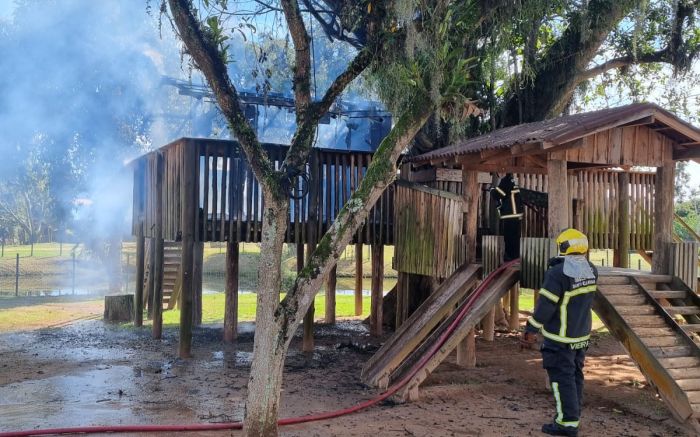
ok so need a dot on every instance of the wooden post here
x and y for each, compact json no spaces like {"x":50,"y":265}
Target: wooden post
{"x":402,"y":298}
{"x":158,"y":259}
{"x":489,"y":324}
{"x":140,"y":267}
{"x":330,"y":295}
{"x":663,"y":217}
{"x":231,"y":305}
{"x":358,"y":279}
{"x":558,"y":199}
{"x":622,"y":254}
{"x":466,"y":350}
{"x":17,"y":273}
{"x":197,"y":282}
{"x":493,"y":211}
{"x":376,"y":311}
{"x":189,"y":206}
{"x":307,"y":343}
{"x":151,"y":258}
{"x":514,"y":320}
{"x":312,"y":234}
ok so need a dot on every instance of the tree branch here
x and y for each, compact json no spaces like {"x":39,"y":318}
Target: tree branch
{"x":298,"y":153}
{"x":621,"y":62}
{"x":302,"y":58}
{"x":380,"y":174}
{"x":209,"y":61}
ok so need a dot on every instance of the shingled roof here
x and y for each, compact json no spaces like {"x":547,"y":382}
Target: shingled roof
{"x":567,"y":128}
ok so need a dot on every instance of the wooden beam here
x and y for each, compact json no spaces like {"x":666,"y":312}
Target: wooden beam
{"x":558,"y":198}
{"x":157,"y":307}
{"x":358,"y":279}
{"x":641,"y":122}
{"x":489,"y":155}
{"x":448,"y":174}
{"x":663,"y":217}
{"x":330,"y":295}
{"x":623,"y":242}
{"x":514,"y":319}
{"x":527,"y":149}
{"x":188,"y":212}
{"x":197,"y":276}
{"x":231,"y":299}
{"x":498,"y":168}
{"x":140,"y":269}
{"x":466,"y":350}
{"x":151,"y":260}
{"x":536,"y":160}
{"x":376,"y":312}
{"x":420,"y":176}
{"x":307,"y":343}
{"x":681,"y":155}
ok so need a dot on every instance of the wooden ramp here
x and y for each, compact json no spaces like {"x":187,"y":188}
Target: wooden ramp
{"x":395,"y":360}
{"x":656,"y":318}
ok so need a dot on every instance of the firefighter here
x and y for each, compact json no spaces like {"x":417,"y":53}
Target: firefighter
{"x":510,"y":212}
{"x":563,"y":316}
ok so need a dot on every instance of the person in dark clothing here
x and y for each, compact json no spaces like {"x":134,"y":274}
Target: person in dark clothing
{"x":563,"y":316}
{"x":510,"y":211}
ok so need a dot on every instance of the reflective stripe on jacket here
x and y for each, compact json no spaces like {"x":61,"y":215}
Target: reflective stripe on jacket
{"x":508,"y":196}
{"x":563,"y":309}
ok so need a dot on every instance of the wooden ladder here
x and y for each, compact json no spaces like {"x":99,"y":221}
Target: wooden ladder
{"x":172,"y":261}
{"x":656,"y":319}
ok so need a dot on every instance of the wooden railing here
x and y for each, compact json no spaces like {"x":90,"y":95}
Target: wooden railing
{"x":428,"y":230}
{"x":230,"y":201}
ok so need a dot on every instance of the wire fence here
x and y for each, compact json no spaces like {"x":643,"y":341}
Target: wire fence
{"x":55,"y":269}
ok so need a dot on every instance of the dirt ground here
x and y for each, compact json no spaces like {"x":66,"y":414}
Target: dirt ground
{"x":89,"y":373}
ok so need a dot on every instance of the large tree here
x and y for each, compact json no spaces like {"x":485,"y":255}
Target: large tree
{"x":526,"y":60}
{"x":433,"y":77}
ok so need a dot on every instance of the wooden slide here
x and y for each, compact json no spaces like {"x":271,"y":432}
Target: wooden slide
{"x":657,"y":319}
{"x":422,"y":329}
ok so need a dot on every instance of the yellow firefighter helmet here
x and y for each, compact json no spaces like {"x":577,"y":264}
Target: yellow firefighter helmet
{"x":572,"y":241}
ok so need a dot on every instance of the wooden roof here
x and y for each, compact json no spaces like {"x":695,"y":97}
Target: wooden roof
{"x":548,"y":135}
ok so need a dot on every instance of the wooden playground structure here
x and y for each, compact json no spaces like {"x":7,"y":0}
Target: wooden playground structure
{"x":610,"y":173}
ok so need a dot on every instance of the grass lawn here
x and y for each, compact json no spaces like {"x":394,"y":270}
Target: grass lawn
{"x":213,"y":308}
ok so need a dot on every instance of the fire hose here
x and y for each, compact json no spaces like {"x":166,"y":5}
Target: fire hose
{"x":290,"y":420}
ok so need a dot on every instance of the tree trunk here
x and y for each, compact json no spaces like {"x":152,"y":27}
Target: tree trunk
{"x":275,"y":327}
{"x":119,"y":308}
{"x":271,"y":337}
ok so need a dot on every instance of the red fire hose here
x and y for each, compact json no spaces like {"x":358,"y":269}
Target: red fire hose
{"x":290,"y":420}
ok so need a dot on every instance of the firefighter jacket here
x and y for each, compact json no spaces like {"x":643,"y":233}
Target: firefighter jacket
{"x":563,"y":310}
{"x":510,"y":206}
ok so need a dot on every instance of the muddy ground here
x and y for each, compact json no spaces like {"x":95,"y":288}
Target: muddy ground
{"x":89,"y":373}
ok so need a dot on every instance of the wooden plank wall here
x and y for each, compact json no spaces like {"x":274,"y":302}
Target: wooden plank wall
{"x":428,"y":230}
{"x":597,"y":207}
{"x":492,"y":250}
{"x":233,"y":201}
{"x":144,"y":202}
{"x":684,"y":262}
{"x":534,"y":255}
{"x":625,"y":146}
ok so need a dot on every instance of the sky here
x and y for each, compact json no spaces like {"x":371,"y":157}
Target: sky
{"x":153,"y":52}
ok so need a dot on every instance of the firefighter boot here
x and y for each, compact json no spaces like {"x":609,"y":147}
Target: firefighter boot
{"x":556,"y":429}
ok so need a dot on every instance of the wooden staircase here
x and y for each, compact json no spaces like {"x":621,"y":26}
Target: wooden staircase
{"x":656,"y":317}
{"x":172,"y":253}
{"x":172,"y":260}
